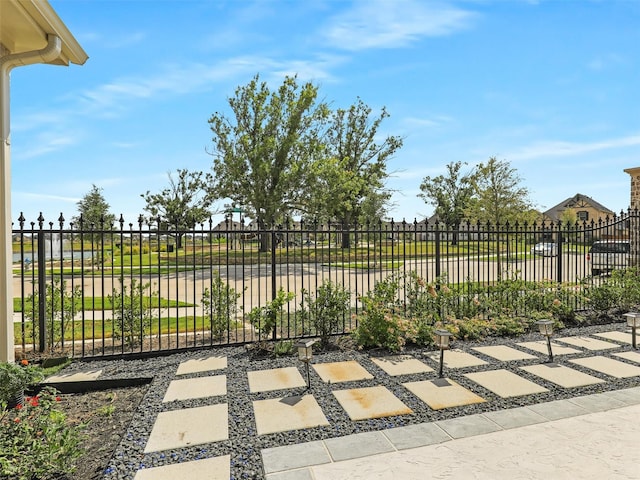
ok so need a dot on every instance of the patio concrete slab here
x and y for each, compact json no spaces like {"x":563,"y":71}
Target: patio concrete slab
{"x":457,"y":359}
{"x":504,"y":353}
{"x":338,"y":372}
{"x":468,"y":426}
{"x":370,"y":402}
{"x":85,"y":376}
{"x":622,"y":337}
{"x":189,"y":426}
{"x":505,"y":384}
{"x":395,"y":365}
{"x":560,"y":375}
{"x":289,"y":457}
{"x":598,"y":402}
{"x":201,"y":387}
{"x":288,"y":413}
{"x":540,"y":346}
{"x":198,"y":365}
{"x":216,"y":468}
{"x":630,"y":396}
{"x":300,"y":474}
{"x":588,"y":343}
{"x":442,"y":393}
{"x":358,"y":445}
{"x":631,"y":356}
{"x":557,"y":409}
{"x":275,"y":379}
{"x":608,"y":366}
{"x":515,"y":417}
{"x":418,"y":435}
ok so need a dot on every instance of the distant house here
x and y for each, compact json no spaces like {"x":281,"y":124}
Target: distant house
{"x":585,"y":208}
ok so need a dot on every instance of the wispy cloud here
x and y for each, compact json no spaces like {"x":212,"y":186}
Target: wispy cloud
{"x":603,"y":62}
{"x":564,"y":149}
{"x":394,"y":23}
{"x":46,"y":143}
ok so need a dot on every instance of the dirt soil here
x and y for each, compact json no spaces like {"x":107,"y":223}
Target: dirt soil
{"x":106,"y":415}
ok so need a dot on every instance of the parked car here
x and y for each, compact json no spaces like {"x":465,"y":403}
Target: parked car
{"x":607,"y":255}
{"x":546,"y":249}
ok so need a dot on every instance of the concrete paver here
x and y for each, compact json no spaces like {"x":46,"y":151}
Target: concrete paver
{"x":468,"y":426}
{"x":290,"y":457}
{"x":189,"y":426}
{"x":442,"y":393}
{"x":216,"y":468}
{"x":622,"y":337}
{"x":608,"y":366}
{"x":338,"y":372}
{"x":457,"y":359}
{"x":358,"y":445}
{"x":504,"y":353}
{"x":199,"y":365}
{"x":505,"y":383}
{"x":275,"y":379}
{"x":395,"y":365}
{"x":560,"y":375}
{"x":515,"y":417}
{"x":74,"y":377}
{"x":541,"y":347}
{"x":597,"y":402}
{"x":588,"y":343}
{"x":418,"y":435}
{"x":631,"y":356}
{"x":370,"y":402}
{"x":289,"y":413}
{"x":200,"y":387}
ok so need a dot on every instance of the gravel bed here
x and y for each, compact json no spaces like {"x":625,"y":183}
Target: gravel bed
{"x":244,"y":445}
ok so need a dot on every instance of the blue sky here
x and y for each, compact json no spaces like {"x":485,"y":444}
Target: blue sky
{"x":550,"y":86}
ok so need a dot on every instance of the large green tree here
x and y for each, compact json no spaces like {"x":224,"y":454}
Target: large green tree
{"x":261,"y":155}
{"x":347,"y":184}
{"x":450,"y":194}
{"x":182,"y":205}
{"x":93,"y":210}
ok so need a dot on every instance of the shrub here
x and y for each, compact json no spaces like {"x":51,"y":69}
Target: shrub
{"x":131,"y":312}
{"x":326,"y":309}
{"x":264,"y":319}
{"x":220,"y":305}
{"x":15,"y":379}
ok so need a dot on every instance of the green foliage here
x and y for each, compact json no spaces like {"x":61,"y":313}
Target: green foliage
{"x":61,"y":305}
{"x":327,"y":309}
{"x":621,"y":291}
{"x":93,"y":210}
{"x":131,"y":312}
{"x":283,"y":348}
{"x":220,"y":305}
{"x":35,"y":440}
{"x":15,"y":379}
{"x":264,"y":319}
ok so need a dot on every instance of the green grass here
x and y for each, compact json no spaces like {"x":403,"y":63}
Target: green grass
{"x":104,"y":303}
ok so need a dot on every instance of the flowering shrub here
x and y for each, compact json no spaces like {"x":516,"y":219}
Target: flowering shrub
{"x":15,"y":379}
{"x":35,"y":440}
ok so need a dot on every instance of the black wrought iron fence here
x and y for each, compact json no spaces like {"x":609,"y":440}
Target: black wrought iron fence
{"x":134,"y":288}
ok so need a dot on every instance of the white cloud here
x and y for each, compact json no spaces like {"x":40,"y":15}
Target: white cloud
{"x":394,"y":23}
{"x":563,"y":149}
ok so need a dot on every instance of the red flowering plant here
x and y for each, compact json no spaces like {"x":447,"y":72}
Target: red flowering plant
{"x":35,"y":440}
{"x":16,"y":378}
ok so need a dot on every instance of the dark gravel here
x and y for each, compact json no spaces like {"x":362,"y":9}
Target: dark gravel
{"x":244,"y":445}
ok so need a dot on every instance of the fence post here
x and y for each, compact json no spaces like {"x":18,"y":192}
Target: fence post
{"x":437,"y":236}
{"x":42,"y":291}
{"x":559,"y":264}
{"x":273,"y":272}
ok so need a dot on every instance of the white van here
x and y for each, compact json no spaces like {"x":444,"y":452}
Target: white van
{"x":607,"y":255}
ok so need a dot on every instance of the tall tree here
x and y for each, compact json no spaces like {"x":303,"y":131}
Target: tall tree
{"x":450,"y":194}
{"x":182,"y":205}
{"x":93,"y":209}
{"x":349,"y":181}
{"x":499,"y":196}
{"x":262,"y":155}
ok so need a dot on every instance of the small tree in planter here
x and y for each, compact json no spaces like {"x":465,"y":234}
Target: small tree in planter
{"x":14,"y":380}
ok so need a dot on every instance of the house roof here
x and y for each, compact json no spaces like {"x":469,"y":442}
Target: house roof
{"x":577,"y":201}
{"x":25,"y":25}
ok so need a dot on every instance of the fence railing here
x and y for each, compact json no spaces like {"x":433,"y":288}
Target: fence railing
{"x":134,"y":288}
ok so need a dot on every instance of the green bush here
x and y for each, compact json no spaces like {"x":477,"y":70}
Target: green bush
{"x":131,"y":313}
{"x":327,"y":309}
{"x":220,"y":305}
{"x":264,"y":319}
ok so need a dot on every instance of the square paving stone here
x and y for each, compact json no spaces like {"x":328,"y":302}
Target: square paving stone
{"x":288,"y":413}
{"x":370,"y":402}
{"x":401,"y":365}
{"x":457,"y":359}
{"x":631,"y":356}
{"x":275,"y":379}
{"x":74,"y":377}
{"x":418,"y":435}
{"x":622,"y":337}
{"x":588,"y":343}
{"x":515,"y":417}
{"x":358,"y":446}
{"x":468,"y":426}
{"x":198,"y":365}
{"x":189,"y":426}
{"x":505,"y":383}
{"x":560,"y":375}
{"x":540,"y":346}
{"x":504,"y":353}
{"x":217,"y":468}
{"x":557,"y":409}
{"x":337,"y":372}
{"x":442,"y":393}
{"x":288,"y":457}
{"x":201,"y":387}
{"x":608,"y":366}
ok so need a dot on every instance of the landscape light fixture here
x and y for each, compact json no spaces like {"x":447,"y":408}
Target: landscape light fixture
{"x":443,"y":338}
{"x":546,"y":329}
{"x":633,"y":321}
{"x":305,"y":353}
